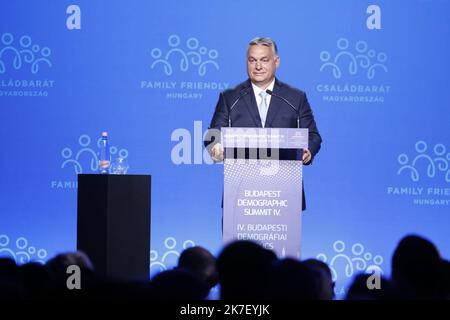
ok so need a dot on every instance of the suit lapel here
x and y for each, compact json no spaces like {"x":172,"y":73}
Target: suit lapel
{"x":275,"y":104}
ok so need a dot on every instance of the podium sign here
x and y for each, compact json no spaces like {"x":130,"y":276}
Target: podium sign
{"x":263,"y":187}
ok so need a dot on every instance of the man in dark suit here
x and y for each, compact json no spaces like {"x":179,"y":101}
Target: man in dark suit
{"x":253,"y":107}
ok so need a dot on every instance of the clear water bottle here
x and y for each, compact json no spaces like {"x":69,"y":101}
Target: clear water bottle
{"x":104,"y":159}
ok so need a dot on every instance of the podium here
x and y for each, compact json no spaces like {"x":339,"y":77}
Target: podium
{"x":113,"y":223}
{"x":263,"y":187}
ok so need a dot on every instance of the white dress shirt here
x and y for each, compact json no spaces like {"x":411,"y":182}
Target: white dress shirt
{"x":257,"y":90}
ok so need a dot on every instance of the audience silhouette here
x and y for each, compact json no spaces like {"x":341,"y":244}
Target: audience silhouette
{"x":323,"y":277}
{"x":201,"y":262}
{"x":417,"y":269}
{"x":293,"y":280}
{"x":244,"y":270}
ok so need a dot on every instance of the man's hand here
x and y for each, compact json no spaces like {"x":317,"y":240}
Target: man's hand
{"x":306,"y":156}
{"x":217,"y":152}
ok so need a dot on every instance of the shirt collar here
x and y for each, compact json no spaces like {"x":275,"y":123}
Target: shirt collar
{"x":258,"y":90}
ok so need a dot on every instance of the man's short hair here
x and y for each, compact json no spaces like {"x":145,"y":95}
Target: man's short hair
{"x":263,"y":41}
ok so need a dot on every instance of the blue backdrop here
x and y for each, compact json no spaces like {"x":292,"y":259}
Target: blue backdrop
{"x":376,"y":75}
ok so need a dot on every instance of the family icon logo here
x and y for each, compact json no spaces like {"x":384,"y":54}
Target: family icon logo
{"x":23,"y":59}
{"x":346,"y":264}
{"x":90,"y":154}
{"x":351,"y":262}
{"x":83,"y":158}
{"x":25,"y":54}
{"x":353,"y":70}
{"x":20,"y":251}
{"x":436,"y":162}
{"x":170,"y":256}
{"x":362,"y":60}
{"x":424,"y":175}
{"x":193,"y":55}
{"x":184,"y":66}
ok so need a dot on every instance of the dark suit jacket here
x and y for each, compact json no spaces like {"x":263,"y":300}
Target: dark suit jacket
{"x":280,"y":115}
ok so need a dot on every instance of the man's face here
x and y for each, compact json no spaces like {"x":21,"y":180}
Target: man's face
{"x":261,"y":65}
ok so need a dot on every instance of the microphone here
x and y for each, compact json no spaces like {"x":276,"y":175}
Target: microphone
{"x":290,"y":104}
{"x":242,"y":94}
